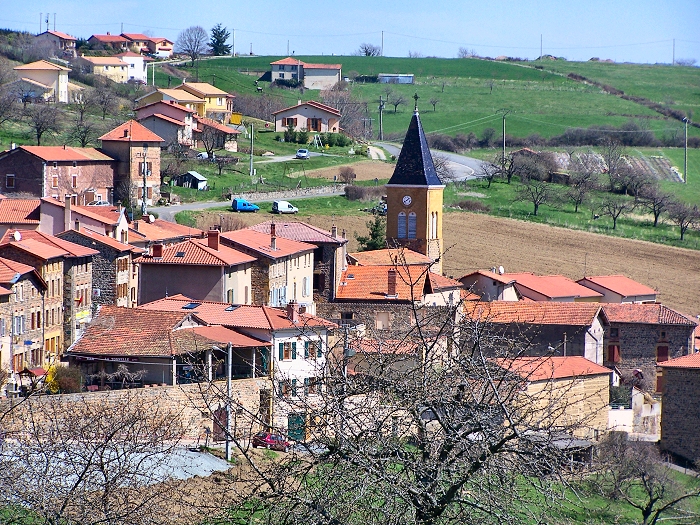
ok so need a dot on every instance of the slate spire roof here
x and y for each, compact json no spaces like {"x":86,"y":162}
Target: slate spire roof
{"x":415,"y":165}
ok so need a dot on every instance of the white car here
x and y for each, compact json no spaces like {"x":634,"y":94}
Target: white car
{"x":283,"y":207}
{"x":303,"y":154}
{"x":98,"y":203}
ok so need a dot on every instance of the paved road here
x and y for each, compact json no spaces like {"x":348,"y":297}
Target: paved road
{"x":465,"y":168}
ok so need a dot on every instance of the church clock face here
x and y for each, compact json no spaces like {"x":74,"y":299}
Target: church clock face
{"x":407,"y":200}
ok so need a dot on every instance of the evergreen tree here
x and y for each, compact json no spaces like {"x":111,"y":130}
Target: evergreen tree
{"x":376,"y":236}
{"x":219,"y":37}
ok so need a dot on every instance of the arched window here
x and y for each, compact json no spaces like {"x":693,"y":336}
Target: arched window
{"x":433,"y":225}
{"x":402,"y":225}
{"x":412,"y":225}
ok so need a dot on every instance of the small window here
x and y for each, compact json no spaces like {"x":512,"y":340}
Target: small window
{"x":661,"y":353}
{"x":10,"y":181}
{"x":382,"y":320}
{"x":614,"y":353}
{"x":75,"y":181}
{"x":75,"y":163}
{"x":55,"y":164}
{"x":412,"y":221}
{"x":614,"y":333}
{"x":54,"y":181}
{"x":401,"y":229}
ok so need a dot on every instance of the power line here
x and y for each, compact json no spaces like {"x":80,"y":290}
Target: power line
{"x":597,"y":130}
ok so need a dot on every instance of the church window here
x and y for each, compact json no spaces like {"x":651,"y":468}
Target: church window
{"x":402,"y":225}
{"x":412,"y":225}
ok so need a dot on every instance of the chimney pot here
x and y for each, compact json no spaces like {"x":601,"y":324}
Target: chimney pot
{"x":213,"y":239}
{"x":126,"y":133}
{"x":334,"y":231}
{"x":157,"y":250}
{"x":67,"y":213}
{"x":273,"y":236}
{"x":391,"y":284}
{"x":293,"y":311}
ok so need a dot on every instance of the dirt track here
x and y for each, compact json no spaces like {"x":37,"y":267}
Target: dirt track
{"x":365,"y":170}
{"x":479,"y":241}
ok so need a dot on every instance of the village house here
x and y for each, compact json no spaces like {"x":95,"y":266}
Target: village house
{"x":526,"y":285}
{"x":114,"y":275}
{"x":491,"y":285}
{"x":203,"y":270}
{"x":112,"y":67}
{"x":137,"y":66}
{"x":22,"y":322}
{"x":218,"y":104}
{"x":311,"y":115}
{"x":283,"y":268}
{"x":40,"y":249}
{"x":211,"y":135}
{"x":313,"y":76}
{"x":147,"y":231}
{"x":329,"y":255}
{"x":137,"y":42}
{"x":19,"y":214}
{"x":57,"y":216}
{"x":179,"y":96}
{"x":161,"y":47}
{"x":619,"y":289}
{"x":57,"y":171}
{"x":44,"y":79}
{"x":169,"y":120}
{"x":62,"y":44}
{"x":109,"y":41}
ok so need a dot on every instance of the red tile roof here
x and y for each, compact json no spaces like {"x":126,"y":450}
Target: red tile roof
{"x":371,"y":283}
{"x":547,"y":368}
{"x":259,"y":243}
{"x":686,"y":361}
{"x":501,"y":278}
{"x":204,"y":88}
{"x":619,"y":284}
{"x":170,"y":103}
{"x":64,"y":36}
{"x":19,"y":211}
{"x":166,"y":118}
{"x":104,"y":214}
{"x":108,"y":39}
{"x":41,"y":64}
{"x":323,"y":66}
{"x":37,"y":249}
{"x":289,"y":61}
{"x":388,"y":256}
{"x":645,"y":314}
{"x":161,"y":230}
{"x":98,"y":238}
{"x":389,"y":346}
{"x":299,"y":231}
{"x":440,"y":282}
{"x":105,"y":61}
{"x":67,"y":154}
{"x":136,"y":36}
{"x":207,"y":122}
{"x":71,"y":249}
{"x":195,"y":252}
{"x":311,"y":103}
{"x":9,"y":270}
{"x":135,"y":132}
{"x":222,"y":335}
{"x":551,"y":286}
{"x":236,"y":316}
{"x":533,"y":312}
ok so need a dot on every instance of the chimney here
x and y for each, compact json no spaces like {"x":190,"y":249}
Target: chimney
{"x":126,"y":133}
{"x":136,"y":225}
{"x":334,"y":231}
{"x":109,"y":33}
{"x":273,"y":237}
{"x":67,"y":214}
{"x":293,"y":311}
{"x":13,"y":146}
{"x":213,"y":239}
{"x":391,"y":284}
{"x":299,"y":104}
{"x":77,"y":225}
{"x":344,"y":234}
{"x":157,"y":250}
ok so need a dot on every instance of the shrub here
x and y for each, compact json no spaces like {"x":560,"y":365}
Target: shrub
{"x":346,"y":175}
{"x":303,"y":136}
{"x":65,"y":380}
{"x":474,"y":206}
{"x":364,"y":193}
{"x":287,"y":82}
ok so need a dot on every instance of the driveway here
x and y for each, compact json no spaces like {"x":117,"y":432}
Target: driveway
{"x":465,"y":168}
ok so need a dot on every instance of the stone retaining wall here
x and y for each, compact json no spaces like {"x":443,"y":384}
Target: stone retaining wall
{"x":286,"y":194}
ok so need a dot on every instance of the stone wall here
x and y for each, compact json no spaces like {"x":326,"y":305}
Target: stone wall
{"x":286,"y":194}
{"x":680,"y":418}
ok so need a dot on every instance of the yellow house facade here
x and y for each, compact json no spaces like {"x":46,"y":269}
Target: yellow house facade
{"x":218,"y":104}
{"x":113,"y":68}
{"x":180,"y":96}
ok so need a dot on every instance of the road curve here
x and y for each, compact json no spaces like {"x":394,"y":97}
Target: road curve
{"x":465,"y":168}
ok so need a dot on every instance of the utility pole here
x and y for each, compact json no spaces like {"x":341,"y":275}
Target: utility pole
{"x":54,"y":21}
{"x":287,"y":47}
{"x":229,"y":371}
{"x":233,"y":42}
{"x":505,"y":112}
{"x":251,"y":150}
{"x":673,"y":62}
{"x":41,"y":18}
{"x":381,"y":118}
{"x":145,"y":175}
{"x":382,"y":43}
{"x":540,"y":45}
{"x":685,"y":152}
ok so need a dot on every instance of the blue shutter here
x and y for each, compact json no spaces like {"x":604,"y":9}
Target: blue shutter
{"x":306,"y":386}
{"x":294,"y":350}
{"x":281,"y":351}
{"x":306,"y":349}
{"x":280,"y":386}
{"x":294,"y":387}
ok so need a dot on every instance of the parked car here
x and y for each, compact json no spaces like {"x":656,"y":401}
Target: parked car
{"x":283,"y":207}
{"x":203,"y":155}
{"x":98,"y":203}
{"x":243,"y":205}
{"x":303,"y":154}
{"x":271,"y":441}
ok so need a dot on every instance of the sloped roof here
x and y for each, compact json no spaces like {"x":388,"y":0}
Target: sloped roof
{"x":105,"y":61}
{"x":655,"y":313}
{"x":533,"y":312}
{"x":313,"y":104}
{"x":371,"y":283}
{"x":66,"y":154}
{"x":204,"y":88}
{"x":41,"y":64}
{"x":104,"y":214}
{"x":216,"y":125}
{"x":686,"y":361}
{"x":36,"y":248}
{"x":299,"y":231}
{"x":388,"y":256}
{"x":161,"y":230}
{"x":440,"y":282}
{"x":135,"y":132}
{"x":551,"y":286}
{"x":196,"y":175}
{"x":58,"y":34}
{"x":222,"y":335}
{"x":180,"y":95}
{"x":501,"y":278}
{"x":195,"y":252}
{"x":170,"y":103}
{"x":109,"y":39}
{"x":236,"y":316}
{"x":71,"y":249}
{"x":136,"y":36}
{"x":259,"y":243}
{"x":289,"y":61}
{"x":163,"y":117}
{"x":323,"y":66}
{"x":97,"y":238}
{"x":546,"y":368}
{"x":130,"y":54}
{"x":415,"y":165}
{"x":619,"y":284}
{"x":33,"y":83}
{"x":9,"y":269}
{"x":381,"y":346}
{"x":19,"y":211}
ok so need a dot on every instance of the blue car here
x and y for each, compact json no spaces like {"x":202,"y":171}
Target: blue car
{"x":243,"y":205}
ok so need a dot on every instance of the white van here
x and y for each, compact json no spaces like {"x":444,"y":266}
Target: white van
{"x":283,"y":207}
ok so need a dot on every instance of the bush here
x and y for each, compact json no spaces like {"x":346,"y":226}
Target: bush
{"x":364,"y":193}
{"x":474,"y":206}
{"x":65,"y":380}
{"x":291,"y":83}
{"x":303,"y":136}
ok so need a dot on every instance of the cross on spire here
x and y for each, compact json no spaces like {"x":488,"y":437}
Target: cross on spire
{"x":416,"y":97}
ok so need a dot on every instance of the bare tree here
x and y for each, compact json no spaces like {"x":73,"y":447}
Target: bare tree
{"x":684,"y":216}
{"x":223,"y":163}
{"x":615,"y":207}
{"x":397,"y":101}
{"x":104,"y":99}
{"x":490,"y":84}
{"x":536,"y":192}
{"x":83,"y":132}
{"x":79,"y":460}
{"x":352,"y":111}
{"x":43,"y":119}
{"x":491,"y":170}
{"x":347,"y":175}
{"x":415,"y":54}
{"x":369,"y":50}
{"x":434,"y":102}
{"x":656,"y":201}
{"x":613,"y":153}
{"x":7,"y":72}
{"x":463,"y":52}
{"x":443,"y":167}
{"x":388,"y":91}
{"x":192,"y":42}
{"x":635,"y":473}
{"x":9,"y":107}
{"x":82,"y":100}
{"x":582,"y":181}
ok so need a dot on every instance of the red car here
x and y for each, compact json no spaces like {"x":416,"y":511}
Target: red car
{"x":271,"y":441}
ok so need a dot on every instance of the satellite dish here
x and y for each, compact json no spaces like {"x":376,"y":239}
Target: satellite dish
{"x":17,"y":236}
{"x":501,"y":270}
{"x":151,"y":219}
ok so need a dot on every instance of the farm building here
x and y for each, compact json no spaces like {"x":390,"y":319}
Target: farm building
{"x":191,"y":179}
{"x":395,"y":78}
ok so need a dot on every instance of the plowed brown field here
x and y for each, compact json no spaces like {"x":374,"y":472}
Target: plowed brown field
{"x":476,"y":241}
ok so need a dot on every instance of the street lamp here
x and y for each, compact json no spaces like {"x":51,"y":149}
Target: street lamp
{"x":144,"y":172}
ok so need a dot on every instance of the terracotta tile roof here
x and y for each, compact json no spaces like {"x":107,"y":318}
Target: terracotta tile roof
{"x":311,"y":103}
{"x":64,"y":36}
{"x":181,"y":95}
{"x":501,"y":278}
{"x":66,"y":154}
{"x":136,"y":36}
{"x":236,"y":316}
{"x":389,"y":257}
{"x":33,"y":82}
{"x":159,"y":39}
{"x":19,"y":211}
{"x":619,"y":284}
{"x":299,"y":231}
{"x":9,"y":270}
{"x":259,"y":243}
{"x":686,"y":361}
{"x":371,"y":283}
{"x":533,"y":312}
{"x":645,"y":314}
{"x":389,"y":346}
{"x":98,"y":238}
{"x":207,"y":122}
{"x":41,"y":64}
{"x":323,"y":66}
{"x":103,"y":214}
{"x":195,"y":252}
{"x":105,"y":61}
{"x":36,"y":248}
{"x":130,"y":54}
{"x":546,"y":368}
{"x":289,"y":61}
{"x":161,"y":230}
{"x":169,"y":103}
{"x":440,"y":282}
{"x":117,"y":331}
{"x":71,"y":249}
{"x":222,"y":336}
{"x":551,"y":286}
{"x":109,"y":38}
{"x":134,"y":132}
{"x":164,"y":117}
{"x":204,"y":88}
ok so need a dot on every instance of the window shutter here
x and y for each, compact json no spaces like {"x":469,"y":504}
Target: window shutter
{"x":294,"y":387}
{"x":281,"y":351}
{"x":319,"y":349}
{"x":294,"y":350}
{"x":306,"y":349}
{"x":306,"y":386}
{"x":280,"y":386}
{"x":263,"y":358}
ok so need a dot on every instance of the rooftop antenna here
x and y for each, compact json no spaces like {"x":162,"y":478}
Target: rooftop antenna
{"x":54,"y":21}
{"x":41,"y":17}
